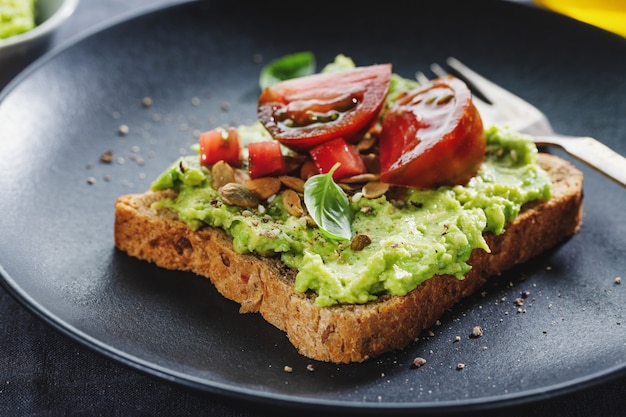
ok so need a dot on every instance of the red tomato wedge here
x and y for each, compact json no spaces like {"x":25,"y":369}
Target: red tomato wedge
{"x":327,"y":154}
{"x":265,"y":159}
{"x":431,"y":136}
{"x":219,"y":144}
{"x":304,"y":112}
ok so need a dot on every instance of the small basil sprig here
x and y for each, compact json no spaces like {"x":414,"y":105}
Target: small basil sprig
{"x":328,"y":205}
{"x":287,"y":67}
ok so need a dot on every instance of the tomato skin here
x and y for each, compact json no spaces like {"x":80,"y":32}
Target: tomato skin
{"x":265,"y":159}
{"x":432,"y":136}
{"x":219,"y":144}
{"x":304,"y":112}
{"x":327,"y":154}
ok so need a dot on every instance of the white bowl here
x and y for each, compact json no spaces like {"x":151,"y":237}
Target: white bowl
{"x":51,"y":14}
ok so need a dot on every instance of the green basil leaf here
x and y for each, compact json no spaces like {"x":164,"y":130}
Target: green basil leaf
{"x":287,"y":67}
{"x":328,"y":205}
{"x":340,"y":63}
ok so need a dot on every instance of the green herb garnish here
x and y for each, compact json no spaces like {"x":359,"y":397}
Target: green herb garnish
{"x":287,"y":67}
{"x":328,"y":205}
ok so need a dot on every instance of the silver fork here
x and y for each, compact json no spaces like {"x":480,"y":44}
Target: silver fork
{"x":505,"y":108}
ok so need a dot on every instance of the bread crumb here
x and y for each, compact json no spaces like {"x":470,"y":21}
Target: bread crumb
{"x":107,"y":157}
{"x":146,"y":101}
{"x":418,"y":361}
{"x":123,"y":130}
{"x":457,"y":339}
{"x":618,"y":280}
{"x":288,"y":369}
{"x":477,"y":331}
{"x":460,"y":366}
{"x":519,"y":301}
{"x":310,"y":367}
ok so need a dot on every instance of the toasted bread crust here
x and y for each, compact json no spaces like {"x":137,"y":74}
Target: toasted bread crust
{"x":343,"y":333}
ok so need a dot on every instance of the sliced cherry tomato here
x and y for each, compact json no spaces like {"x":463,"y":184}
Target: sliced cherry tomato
{"x":219,"y":144}
{"x":327,"y":154}
{"x":265,"y":159}
{"x":432,"y":136}
{"x":304,"y":112}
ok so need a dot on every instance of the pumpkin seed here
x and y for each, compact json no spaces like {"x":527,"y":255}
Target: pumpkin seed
{"x":360,"y":242}
{"x":292,"y":202}
{"x":374,"y":189}
{"x":264,"y":187}
{"x":349,"y":188}
{"x":221,"y":174}
{"x":241,"y":175}
{"x":293,"y":161}
{"x":295,"y":183}
{"x":361,"y":178}
{"x":236,"y":194}
{"x":308,"y":169}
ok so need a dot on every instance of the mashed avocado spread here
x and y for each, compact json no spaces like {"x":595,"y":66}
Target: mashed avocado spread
{"x":415,"y":234}
{"x":16,"y":16}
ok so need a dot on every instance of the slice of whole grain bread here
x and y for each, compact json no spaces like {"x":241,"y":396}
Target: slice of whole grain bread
{"x":343,"y":333}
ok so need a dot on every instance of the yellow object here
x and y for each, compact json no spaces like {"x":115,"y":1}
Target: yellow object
{"x":606,"y":14}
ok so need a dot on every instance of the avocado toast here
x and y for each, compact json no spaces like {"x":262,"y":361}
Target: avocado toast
{"x":392,"y":257}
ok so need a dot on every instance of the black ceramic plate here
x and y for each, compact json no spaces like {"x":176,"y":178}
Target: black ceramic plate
{"x":199,"y":62}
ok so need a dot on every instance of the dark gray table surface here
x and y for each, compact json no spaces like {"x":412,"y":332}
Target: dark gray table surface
{"x":44,"y":373}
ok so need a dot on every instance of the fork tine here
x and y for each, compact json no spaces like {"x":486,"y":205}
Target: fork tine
{"x":438,"y":70}
{"x":435,"y":68}
{"x":489,"y":89}
{"x":513,"y":109}
{"x":421,"y":77}
{"x":492,"y":91}
{"x":482,"y":105}
{"x":477,"y":94}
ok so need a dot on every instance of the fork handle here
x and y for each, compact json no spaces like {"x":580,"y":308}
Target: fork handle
{"x":592,"y":152}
